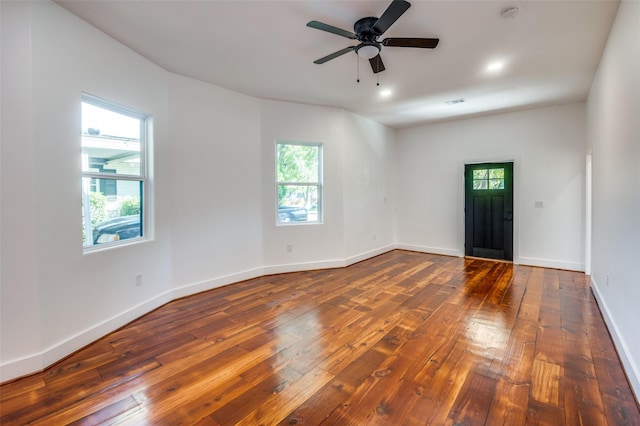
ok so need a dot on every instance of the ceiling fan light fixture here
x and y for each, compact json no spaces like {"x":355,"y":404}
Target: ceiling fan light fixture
{"x":368,"y":51}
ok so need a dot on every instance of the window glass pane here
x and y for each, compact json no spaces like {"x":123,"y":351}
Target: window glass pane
{"x":111,"y":210}
{"x":106,"y":122}
{"x":479,"y":184}
{"x":480,"y":174}
{"x":496,"y":183}
{"x":297,"y":203}
{"x":297,"y":163}
{"x":496,"y":174}
{"x":110,"y":141}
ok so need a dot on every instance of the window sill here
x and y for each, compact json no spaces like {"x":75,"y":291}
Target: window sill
{"x":98,"y":248}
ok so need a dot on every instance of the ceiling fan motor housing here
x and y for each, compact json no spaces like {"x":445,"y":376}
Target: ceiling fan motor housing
{"x":364,"y":28}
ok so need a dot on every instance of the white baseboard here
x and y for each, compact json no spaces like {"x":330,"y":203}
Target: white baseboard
{"x":553,"y":264}
{"x":189,"y":289}
{"x":630,"y":367}
{"x":37,"y":362}
{"x":21,"y":367}
{"x":303,"y":266}
{"x":369,"y":254}
{"x":430,"y":250}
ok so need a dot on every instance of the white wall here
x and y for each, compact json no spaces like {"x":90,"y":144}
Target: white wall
{"x":19,"y":299}
{"x":547,"y":146}
{"x":77,"y":297}
{"x":614,"y":138}
{"x":213,"y":188}
{"x":317,"y":245}
{"x":357,"y":161}
{"x":216,"y":196}
{"x":369,"y":186}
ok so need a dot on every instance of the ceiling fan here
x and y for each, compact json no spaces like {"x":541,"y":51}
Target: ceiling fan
{"x":367,"y":30}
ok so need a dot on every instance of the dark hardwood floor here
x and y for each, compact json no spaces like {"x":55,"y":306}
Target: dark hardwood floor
{"x":401,"y":339}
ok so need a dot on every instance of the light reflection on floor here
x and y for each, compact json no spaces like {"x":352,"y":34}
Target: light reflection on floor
{"x":487,"y":333}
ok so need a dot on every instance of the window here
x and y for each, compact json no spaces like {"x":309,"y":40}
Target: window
{"x":113,"y":172}
{"x":299,"y":182}
{"x":488,"y":179}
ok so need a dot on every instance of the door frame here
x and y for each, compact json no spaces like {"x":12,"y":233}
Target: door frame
{"x":516,"y":200}
{"x":588,"y":212}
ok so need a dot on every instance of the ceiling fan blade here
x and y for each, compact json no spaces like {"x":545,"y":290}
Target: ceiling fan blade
{"x":376,"y":64}
{"x":334,"y":55}
{"x":331,"y":29}
{"x":391,"y":15}
{"x":425,"y":43}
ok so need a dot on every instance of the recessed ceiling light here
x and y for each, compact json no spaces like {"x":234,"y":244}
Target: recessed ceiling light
{"x":510,"y":12}
{"x":385,"y":93}
{"x":495,"y":66}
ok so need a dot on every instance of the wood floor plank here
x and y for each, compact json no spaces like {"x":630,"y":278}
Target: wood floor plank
{"x":474,"y":400}
{"x":403,"y":338}
{"x":509,"y":407}
{"x":15,"y":389}
{"x":102,"y":416}
{"x":335,"y":393}
{"x":546,"y":383}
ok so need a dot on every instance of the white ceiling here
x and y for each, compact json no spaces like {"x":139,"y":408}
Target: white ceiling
{"x":263,"y":48}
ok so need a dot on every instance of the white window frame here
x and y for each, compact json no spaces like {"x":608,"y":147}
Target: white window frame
{"x":145,"y":131}
{"x":318,"y":184}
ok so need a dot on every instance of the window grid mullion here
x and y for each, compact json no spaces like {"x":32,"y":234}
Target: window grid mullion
{"x":299,"y":183}
{"x":113,"y":176}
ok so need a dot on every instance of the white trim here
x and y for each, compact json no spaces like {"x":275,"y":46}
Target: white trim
{"x":553,"y":264}
{"x":21,"y":367}
{"x":327,"y":264}
{"x":431,"y":250}
{"x":303,"y":266}
{"x":37,"y":362}
{"x":588,"y":213}
{"x":369,"y":254}
{"x":318,"y":184}
{"x":145,"y":121}
{"x":626,"y":357}
{"x":198,"y":287}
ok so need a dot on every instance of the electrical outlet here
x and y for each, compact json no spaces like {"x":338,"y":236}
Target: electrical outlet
{"x":289,"y":248}
{"x":607,"y":280}
{"x":138,"y":280}
{"x":374,"y":237}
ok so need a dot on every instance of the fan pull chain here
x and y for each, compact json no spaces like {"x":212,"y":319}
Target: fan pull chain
{"x":358,"y":68}
{"x":378,"y":73}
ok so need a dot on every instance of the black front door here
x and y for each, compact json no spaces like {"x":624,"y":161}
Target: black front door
{"x":489,"y":210}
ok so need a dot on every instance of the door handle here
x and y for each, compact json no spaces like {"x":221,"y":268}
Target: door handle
{"x":508,"y":218}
